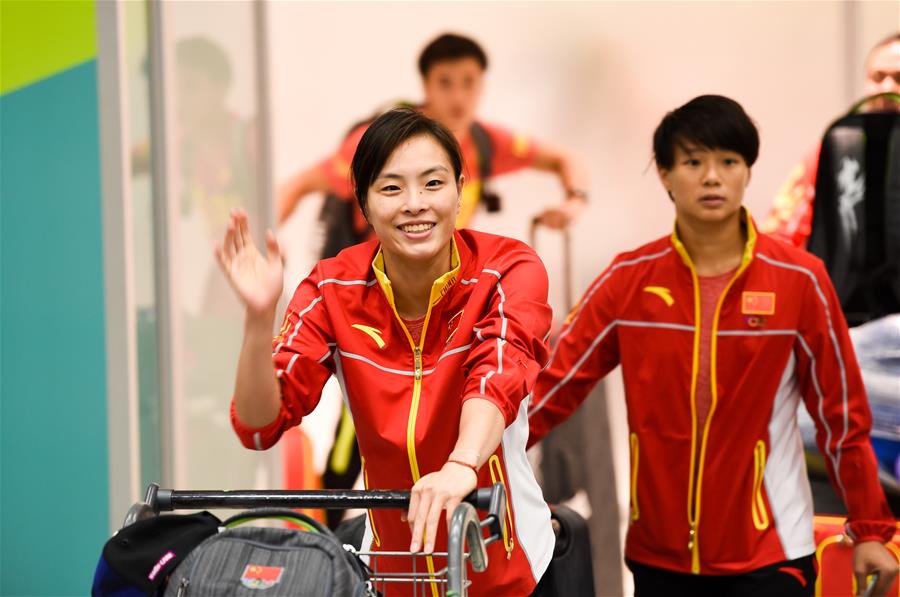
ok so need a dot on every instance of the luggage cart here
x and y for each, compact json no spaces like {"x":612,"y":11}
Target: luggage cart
{"x":466,"y":541}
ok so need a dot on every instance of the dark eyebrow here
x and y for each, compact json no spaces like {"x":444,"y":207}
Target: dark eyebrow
{"x":389,"y":175}
{"x":435,"y":169}
{"x":429,"y":171}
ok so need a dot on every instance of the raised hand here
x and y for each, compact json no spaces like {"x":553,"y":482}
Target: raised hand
{"x":257,"y":280}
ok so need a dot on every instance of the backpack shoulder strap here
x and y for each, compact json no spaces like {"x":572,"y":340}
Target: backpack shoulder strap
{"x":485,"y":148}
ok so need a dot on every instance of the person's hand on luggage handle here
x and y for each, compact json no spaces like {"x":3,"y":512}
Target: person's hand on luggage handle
{"x":871,"y":557}
{"x":561,"y":215}
{"x":257,"y":280}
{"x":441,"y":490}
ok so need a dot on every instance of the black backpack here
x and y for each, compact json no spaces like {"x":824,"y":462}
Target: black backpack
{"x":243,"y":560}
{"x":856,"y":217}
{"x":337,"y":213}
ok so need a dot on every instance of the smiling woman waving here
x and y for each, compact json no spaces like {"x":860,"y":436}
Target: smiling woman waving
{"x":436,"y":336}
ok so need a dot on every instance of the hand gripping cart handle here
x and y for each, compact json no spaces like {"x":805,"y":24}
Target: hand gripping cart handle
{"x":465,"y":532}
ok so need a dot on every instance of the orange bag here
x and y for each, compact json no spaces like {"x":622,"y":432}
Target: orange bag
{"x":298,"y":469}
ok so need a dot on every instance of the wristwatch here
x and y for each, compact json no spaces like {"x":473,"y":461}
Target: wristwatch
{"x":577,"y":194}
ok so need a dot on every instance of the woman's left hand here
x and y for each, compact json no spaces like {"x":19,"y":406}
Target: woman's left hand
{"x":441,"y":490}
{"x":872,"y":557}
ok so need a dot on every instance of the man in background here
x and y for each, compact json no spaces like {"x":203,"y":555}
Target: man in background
{"x":790,"y":218}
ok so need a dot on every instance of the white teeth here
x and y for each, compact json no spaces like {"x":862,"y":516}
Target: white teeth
{"x":416,"y":227}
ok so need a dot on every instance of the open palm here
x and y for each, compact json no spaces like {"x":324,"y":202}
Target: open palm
{"x":257,"y":279}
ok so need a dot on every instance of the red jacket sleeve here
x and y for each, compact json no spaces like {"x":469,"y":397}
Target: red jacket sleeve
{"x":512,"y":151}
{"x":833,"y":391}
{"x":511,"y":336}
{"x":586,"y":350}
{"x":302,"y":357}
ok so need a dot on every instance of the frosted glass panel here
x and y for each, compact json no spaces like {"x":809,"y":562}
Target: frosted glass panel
{"x":215,"y":168}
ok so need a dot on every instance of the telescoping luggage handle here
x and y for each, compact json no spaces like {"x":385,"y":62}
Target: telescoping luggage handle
{"x":567,"y":258}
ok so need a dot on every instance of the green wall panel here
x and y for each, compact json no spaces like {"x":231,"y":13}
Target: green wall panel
{"x":53,"y":441}
{"x":39,"y":38}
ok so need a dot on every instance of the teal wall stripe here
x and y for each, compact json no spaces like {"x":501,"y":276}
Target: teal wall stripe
{"x":53,"y":442}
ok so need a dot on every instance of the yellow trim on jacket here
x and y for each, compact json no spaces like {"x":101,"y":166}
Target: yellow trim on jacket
{"x":696,"y":470}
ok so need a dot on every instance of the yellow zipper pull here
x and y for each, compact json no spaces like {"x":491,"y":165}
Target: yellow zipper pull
{"x":417,"y":352}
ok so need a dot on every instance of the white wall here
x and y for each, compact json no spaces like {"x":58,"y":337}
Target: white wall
{"x":596,"y":77}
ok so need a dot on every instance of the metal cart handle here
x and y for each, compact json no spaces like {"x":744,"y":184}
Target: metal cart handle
{"x":156,"y":500}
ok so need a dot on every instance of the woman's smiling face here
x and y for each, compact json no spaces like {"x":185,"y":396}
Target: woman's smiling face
{"x":413,"y":202}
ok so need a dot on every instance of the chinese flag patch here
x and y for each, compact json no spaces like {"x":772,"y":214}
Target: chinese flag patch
{"x":758,"y":303}
{"x":261,"y":577}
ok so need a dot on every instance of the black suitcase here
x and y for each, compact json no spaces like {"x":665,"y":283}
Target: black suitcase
{"x":571,"y":571}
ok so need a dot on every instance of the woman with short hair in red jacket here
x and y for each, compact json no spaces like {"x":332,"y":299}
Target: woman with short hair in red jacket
{"x":721,"y":332}
{"x":436,"y":336}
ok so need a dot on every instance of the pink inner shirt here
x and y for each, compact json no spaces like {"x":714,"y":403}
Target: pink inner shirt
{"x":711,"y":288}
{"x":415,"y":328}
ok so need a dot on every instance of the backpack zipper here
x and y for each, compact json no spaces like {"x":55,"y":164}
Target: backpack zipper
{"x":182,"y":587}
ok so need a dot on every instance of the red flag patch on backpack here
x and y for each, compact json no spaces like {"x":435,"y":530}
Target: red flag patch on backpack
{"x":261,"y":577}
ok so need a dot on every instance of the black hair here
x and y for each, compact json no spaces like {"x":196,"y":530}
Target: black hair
{"x":707,"y":121}
{"x":206,"y":56}
{"x":384,"y":135}
{"x":449,"y":47}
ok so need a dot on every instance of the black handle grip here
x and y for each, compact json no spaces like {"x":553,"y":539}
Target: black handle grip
{"x":482,"y":498}
{"x":491,"y":499}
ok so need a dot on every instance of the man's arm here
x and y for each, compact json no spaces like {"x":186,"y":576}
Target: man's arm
{"x":572,"y":175}
{"x":331,"y":175}
{"x":515,"y":151}
{"x":312,"y":180}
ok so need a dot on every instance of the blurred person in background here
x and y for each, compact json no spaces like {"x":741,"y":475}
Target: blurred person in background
{"x":721,"y":332}
{"x":452,"y":69}
{"x":437,"y":336}
{"x":790,"y":217}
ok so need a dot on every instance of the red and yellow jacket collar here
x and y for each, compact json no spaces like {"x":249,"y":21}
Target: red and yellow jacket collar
{"x":439,"y":287}
{"x":749,"y":246}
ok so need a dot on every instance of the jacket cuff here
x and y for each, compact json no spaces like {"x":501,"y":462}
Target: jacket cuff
{"x":257,"y":438}
{"x":861,"y":531}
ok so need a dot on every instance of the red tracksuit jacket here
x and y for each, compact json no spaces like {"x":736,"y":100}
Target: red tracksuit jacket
{"x":484,"y":336}
{"x":732,"y":496}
